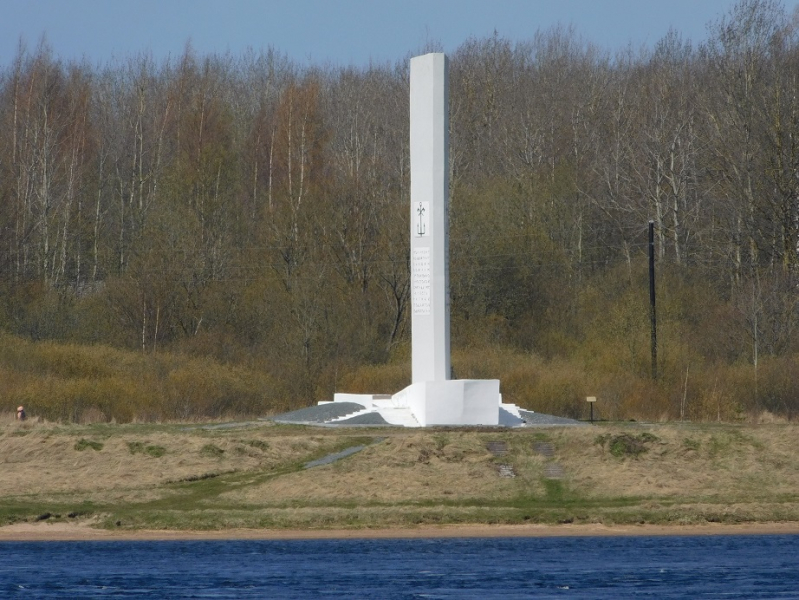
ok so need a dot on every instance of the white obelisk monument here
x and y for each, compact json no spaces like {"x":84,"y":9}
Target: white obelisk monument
{"x":433,"y":397}
{"x":429,"y":218}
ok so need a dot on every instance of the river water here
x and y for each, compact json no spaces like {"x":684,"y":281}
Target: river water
{"x":665,"y":567}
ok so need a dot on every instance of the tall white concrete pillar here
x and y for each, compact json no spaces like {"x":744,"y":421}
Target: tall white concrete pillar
{"x":432,"y":397}
{"x":429,"y":127}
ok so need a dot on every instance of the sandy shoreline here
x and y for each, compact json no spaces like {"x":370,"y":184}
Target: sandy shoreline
{"x":82,"y":532}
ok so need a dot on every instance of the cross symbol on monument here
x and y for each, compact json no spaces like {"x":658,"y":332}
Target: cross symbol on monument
{"x":420,"y":228}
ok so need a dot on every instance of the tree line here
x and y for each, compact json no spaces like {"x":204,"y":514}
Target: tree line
{"x":256,"y":211}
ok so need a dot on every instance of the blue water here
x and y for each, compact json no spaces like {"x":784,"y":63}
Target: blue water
{"x":623,"y":567}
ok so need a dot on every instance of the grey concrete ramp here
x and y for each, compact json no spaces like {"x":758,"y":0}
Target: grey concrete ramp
{"x":321,"y":413}
{"x":531,"y":419}
{"x":344,"y":413}
{"x":372,"y":418}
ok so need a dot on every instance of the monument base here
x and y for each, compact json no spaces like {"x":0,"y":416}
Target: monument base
{"x":430,"y":403}
{"x":378,"y":410}
{"x":452,"y":402}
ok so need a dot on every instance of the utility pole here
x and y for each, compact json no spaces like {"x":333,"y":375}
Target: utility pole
{"x":652,"y":313}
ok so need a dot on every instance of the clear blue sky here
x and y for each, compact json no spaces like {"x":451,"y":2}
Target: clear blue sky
{"x":336,"y":32}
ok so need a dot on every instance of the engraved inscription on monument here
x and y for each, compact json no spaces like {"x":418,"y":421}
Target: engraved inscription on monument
{"x":422,"y":219}
{"x":420,"y":293}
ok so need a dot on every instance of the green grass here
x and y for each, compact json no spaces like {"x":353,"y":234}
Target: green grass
{"x":148,"y":449}
{"x":257,"y":444}
{"x":626,"y":444}
{"x":691,"y":444}
{"x":212,"y":451}
{"x":19,"y":511}
{"x":84,"y":444}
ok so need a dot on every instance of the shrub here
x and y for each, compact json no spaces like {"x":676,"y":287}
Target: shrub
{"x":626,"y":444}
{"x":211,"y":451}
{"x":83,"y":444}
{"x":140,"y":448}
{"x":377,"y":379}
{"x":71,"y":383}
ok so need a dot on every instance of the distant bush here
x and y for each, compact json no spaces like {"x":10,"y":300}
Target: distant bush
{"x":74,"y":383}
{"x":70,"y":383}
{"x":376,"y":379}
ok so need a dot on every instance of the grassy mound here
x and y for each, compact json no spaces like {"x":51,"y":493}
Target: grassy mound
{"x":253,"y":475}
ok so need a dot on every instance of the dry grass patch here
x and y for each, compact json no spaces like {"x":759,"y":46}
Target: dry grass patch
{"x":46,"y":462}
{"x":416,"y":467}
{"x":723,"y":461}
{"x":182,"y":477}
